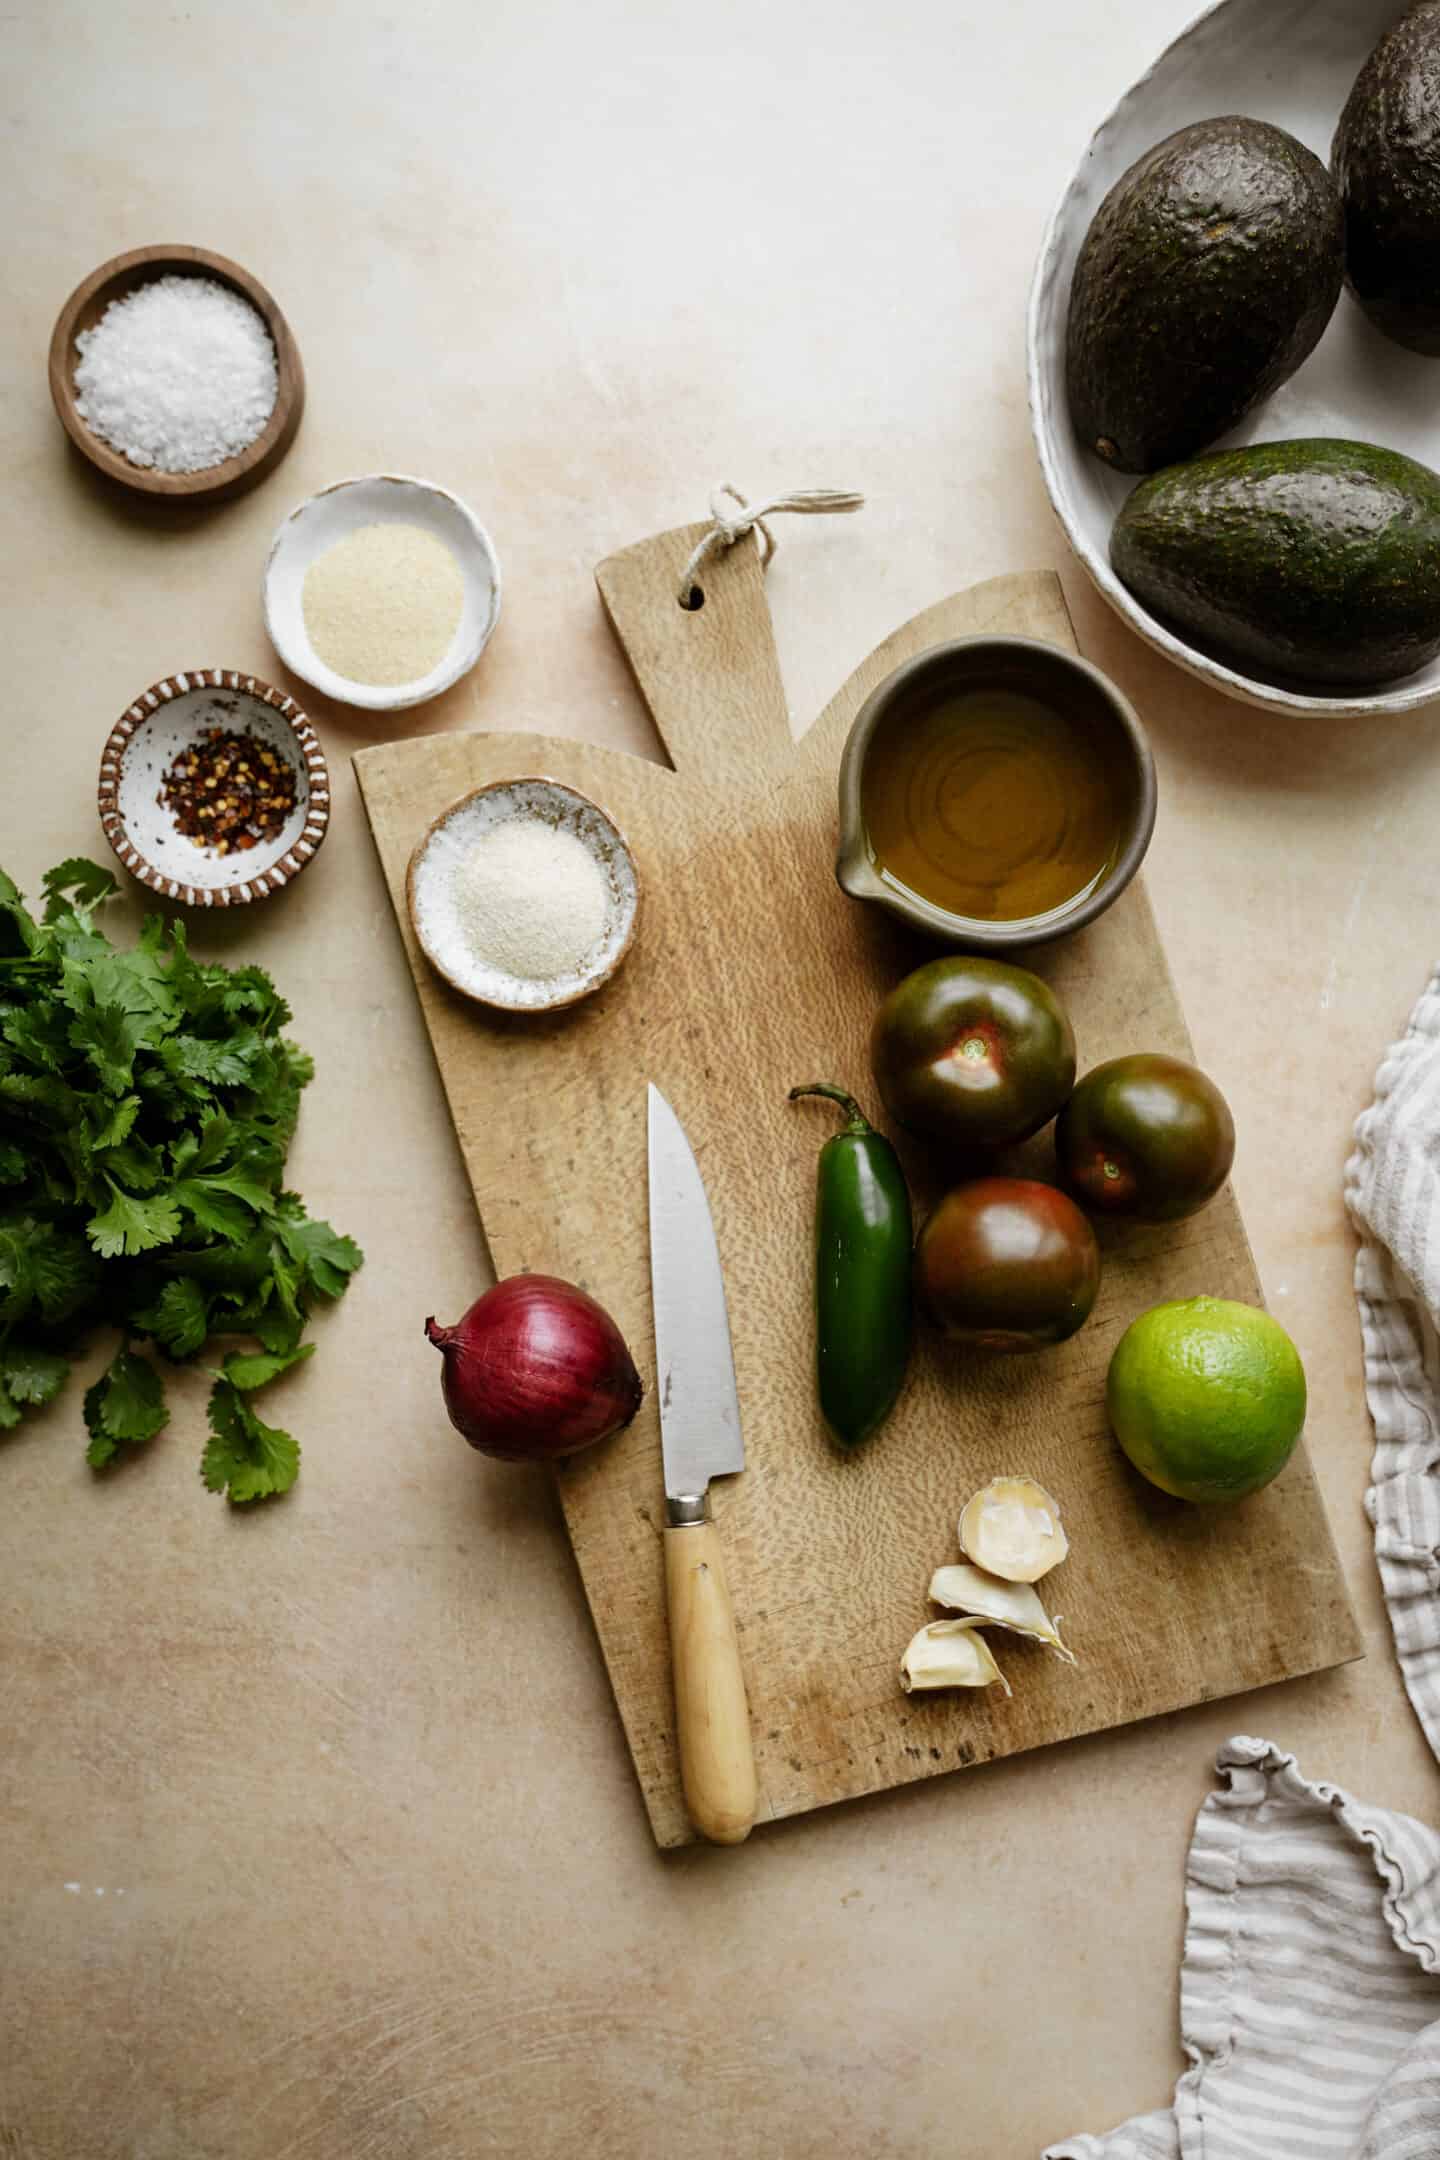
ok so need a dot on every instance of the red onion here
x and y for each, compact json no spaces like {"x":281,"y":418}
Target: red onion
{"x":536,"y":1369}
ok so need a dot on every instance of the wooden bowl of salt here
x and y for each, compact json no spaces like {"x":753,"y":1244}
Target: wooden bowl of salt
{"x":131,"y":396}
{"x":524,"y":895}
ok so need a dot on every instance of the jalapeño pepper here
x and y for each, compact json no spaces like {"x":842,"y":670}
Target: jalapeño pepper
{"x":862,"y":1273}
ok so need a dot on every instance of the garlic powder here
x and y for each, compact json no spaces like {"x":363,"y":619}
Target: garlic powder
{"x":382,"y":605}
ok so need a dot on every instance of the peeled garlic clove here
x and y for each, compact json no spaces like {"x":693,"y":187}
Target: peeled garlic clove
{"x":967,"y":1589}
{"x":1012,"y":1528}
{"x":949,"y":1653}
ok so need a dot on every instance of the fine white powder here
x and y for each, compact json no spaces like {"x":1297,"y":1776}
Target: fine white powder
{"x":531,"y":899}
{"x":178,"y":376}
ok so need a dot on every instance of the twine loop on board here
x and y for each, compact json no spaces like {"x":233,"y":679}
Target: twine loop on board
{"x":731,"y":525}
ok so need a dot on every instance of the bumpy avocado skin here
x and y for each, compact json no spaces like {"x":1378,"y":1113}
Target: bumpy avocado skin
{"x":1207,"y":276}
{"x":1317,"y":561}
{"x":1386,"y":162}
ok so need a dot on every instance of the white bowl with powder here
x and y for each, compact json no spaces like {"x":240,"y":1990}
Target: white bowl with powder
{"x":384,"y":574}
{"x":524,"y":895}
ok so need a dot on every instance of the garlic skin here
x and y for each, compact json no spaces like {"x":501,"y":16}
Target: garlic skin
{"x":1011,"y":1528}
{"x":949,"y":1653}
{"x":991,"y":1602}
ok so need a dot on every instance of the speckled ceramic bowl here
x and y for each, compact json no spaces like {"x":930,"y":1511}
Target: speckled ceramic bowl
{"x":429,"y":890}
{"x":380,"y":499}
{"x":142,"y":746}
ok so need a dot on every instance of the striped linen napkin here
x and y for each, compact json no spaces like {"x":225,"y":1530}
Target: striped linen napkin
{"x":1392,"y":1189}
{"x":1310,"y":1989}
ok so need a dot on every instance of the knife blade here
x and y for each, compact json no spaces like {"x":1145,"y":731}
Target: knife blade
{"x":700,"y":1439}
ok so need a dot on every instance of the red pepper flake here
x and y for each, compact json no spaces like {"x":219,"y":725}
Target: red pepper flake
{"x":259,"y":791}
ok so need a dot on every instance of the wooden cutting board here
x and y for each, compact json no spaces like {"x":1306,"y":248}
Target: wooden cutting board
{"x":752,"y":971}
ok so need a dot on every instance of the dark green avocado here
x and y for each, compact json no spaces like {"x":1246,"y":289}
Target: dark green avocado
{"x":1316,"y":560}
{"x":1207,"y":276}
{"x":1386,"y":162}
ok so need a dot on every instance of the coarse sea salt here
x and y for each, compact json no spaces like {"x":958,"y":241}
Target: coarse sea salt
{"x":178,"y":376}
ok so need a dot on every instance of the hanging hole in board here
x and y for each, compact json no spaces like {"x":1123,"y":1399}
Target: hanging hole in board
{"x":694,"y":599}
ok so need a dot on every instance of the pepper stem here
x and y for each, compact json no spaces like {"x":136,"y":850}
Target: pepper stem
{"x":858,"y":1122}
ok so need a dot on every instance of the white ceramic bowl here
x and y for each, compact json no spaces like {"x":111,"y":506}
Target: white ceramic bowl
{"x":1293,"y":62}
{"x":430,"y":891}
{"x":379,"y":499}
{"x":142,"y":746}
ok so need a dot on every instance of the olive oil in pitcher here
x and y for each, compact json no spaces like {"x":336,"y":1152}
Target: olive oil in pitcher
{"x":993,"y":803}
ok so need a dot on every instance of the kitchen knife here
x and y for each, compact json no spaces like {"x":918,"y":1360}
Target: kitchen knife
{"x":700,"y":1439}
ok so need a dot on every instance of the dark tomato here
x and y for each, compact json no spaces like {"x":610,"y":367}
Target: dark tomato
{"x":973,"y":1051}
{"x":1007,"y":1264}
{"x":1145,"y":1136}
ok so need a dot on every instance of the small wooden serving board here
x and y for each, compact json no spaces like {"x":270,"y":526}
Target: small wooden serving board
{"x":751,"y":972}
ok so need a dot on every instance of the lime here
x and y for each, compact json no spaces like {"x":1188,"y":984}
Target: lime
{"x":1206,"y":1397}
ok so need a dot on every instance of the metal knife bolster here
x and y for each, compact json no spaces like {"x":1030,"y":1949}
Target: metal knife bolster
{"x":684,"y":1510}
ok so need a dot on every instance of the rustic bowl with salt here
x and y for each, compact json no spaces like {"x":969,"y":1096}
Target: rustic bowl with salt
{"x":199,"y":423}
{"x":374,"y":571}
{"x":524,"y":895}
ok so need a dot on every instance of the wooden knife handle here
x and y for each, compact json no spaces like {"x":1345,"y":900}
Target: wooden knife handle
{"x":717,"y":1762}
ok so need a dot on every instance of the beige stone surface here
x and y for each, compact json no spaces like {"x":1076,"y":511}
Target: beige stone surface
{"x":318,"y":1839}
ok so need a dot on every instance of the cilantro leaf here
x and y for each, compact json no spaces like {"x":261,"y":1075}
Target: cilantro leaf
{"x":179,"y":1320}
{"x":140,"y":1165}
{"x":328,"y":1259}
{"x":28,"y":1376}
{"x":136,"y":981}
{"x":250,"y":990}
{"x":288,"y":1277}
{"x":224,"y":1267}
{"x":44,"y":1098}
{"x":245,"y":1457}
{"x":42,"y":1266}
{"x":108,"y":1037}
{"x":118,"y":1125}
{"x":84,"y":880}
{"x":203,"y":1150}
{"x":133,"y":1225}
{"x":197,"y":992}
{"x":214,"y":1203}
{"x":300,"y":1064}
{"x":125,"y":1407}
{"x":262,"y":1316}
{"x":256,"y":1196}
{"x":39,"y":1032}
{"x":219,"y":1064}
{"x":248,"y":1370}
{"x":13,"y":1166}
{"x":18,"y":929}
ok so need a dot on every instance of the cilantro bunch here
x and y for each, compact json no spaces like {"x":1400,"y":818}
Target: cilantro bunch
{"x":147,"y":1104}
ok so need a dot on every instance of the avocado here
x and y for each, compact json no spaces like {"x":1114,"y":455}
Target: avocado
{"x":1386,"y":161}
{"x":1315,"y":560}
{"x":1207,"y":275}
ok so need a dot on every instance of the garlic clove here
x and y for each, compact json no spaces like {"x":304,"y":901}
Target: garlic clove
{"x":949,"y":1653}
{"x":1011,"y":1528}
{"x":995,"y":1603}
